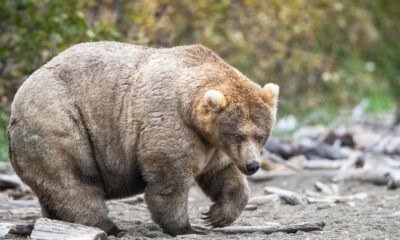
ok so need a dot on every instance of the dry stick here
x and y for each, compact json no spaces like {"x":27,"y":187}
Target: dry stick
{"x":291,"y":228}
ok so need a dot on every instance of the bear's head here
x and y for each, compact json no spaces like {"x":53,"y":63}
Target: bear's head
{"x":238,"y":120}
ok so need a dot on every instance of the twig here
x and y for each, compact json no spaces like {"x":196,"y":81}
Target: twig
{"x":291,"y":228}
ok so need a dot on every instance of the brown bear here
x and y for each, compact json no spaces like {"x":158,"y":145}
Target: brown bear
{"x":108,"y":120}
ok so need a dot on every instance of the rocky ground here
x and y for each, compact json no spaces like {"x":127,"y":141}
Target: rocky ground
{"x":376,"y":217}
{"x":373,"y":214}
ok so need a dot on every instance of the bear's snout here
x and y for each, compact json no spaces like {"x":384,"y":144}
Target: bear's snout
{"x":252,"y":167}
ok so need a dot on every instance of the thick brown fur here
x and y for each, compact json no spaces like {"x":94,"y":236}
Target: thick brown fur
{"x":108,"y":120}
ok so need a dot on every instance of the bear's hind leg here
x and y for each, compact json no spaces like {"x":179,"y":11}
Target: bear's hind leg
{"x":47,"y":212}
{"x":79,"y":203}
{"x":54,"y":155}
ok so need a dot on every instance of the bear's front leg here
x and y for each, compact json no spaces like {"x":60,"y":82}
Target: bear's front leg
{"x":228,"y":188}
{"x":166,"y":196}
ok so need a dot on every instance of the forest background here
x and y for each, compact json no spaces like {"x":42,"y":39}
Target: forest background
{"x":326,"y":55}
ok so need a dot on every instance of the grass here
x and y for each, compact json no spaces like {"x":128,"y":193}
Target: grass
{"x":3,"y":146}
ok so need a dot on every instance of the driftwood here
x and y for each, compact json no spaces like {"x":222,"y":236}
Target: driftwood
{"x":386,"y":142}
{"x":283,"y":149}
{"x":393,"y":178}
{"x":272,"y":199}
{"x":331,"y":189}
{"x":321,"y":151}
{"x":329,"y":194}
{"x":250,"y":207}
{"x":291,"y":228}
{"x":5,"y":168}
{"x":337,"y":199}
{"x":286,"y":196}
{"x":341,"y":140}
{"x":9,"y":181}
{"x":323,"y":165}
{"x":312,"y":150}
{"x":261,"y":176}
{"x":378,"y":176}
{"x":46,"y":229}
{"x":17,"y":228}
{"x":19,"y":204}
{"x":276,"y":159}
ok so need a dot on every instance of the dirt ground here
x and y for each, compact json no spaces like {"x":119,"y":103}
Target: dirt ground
{"x":376,"y":217}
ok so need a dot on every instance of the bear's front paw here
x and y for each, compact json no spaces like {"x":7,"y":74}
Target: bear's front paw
{"x":220,"y":215}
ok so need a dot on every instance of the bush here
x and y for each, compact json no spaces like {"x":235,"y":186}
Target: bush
{"x":326,"y":54}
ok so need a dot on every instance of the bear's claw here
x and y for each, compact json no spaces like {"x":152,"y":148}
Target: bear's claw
{"x":215,"y":217}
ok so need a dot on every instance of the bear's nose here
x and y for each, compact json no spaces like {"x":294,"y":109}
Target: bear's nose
{"x":253,"y":167}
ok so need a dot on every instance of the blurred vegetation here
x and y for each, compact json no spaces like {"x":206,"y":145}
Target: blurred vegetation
{"x":324,"y":54}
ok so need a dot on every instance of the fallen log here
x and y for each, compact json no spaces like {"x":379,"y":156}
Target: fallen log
{"x":17,"y":228}
{"x":9,"y":181}
{"x":291,"y":228}
{"x":283,"y":149}
{"x":379,"y":176}
{"x":5,"y":168}
{"x":46,"y":229}
{"x":19,"y":204}
{"x":312,"y":150}
{"x":321,"y":151}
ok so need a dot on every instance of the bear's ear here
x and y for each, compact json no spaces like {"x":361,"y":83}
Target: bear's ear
{"x":214,"y":99}
{"x":270,"y":94}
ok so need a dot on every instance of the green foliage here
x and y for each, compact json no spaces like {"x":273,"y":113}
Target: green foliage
{"x":323,"y":54}
{"x":3,"y":146}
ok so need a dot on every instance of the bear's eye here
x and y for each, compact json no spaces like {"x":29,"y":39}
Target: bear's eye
{"x":239,"y":138}
{"x":260,"y":138}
